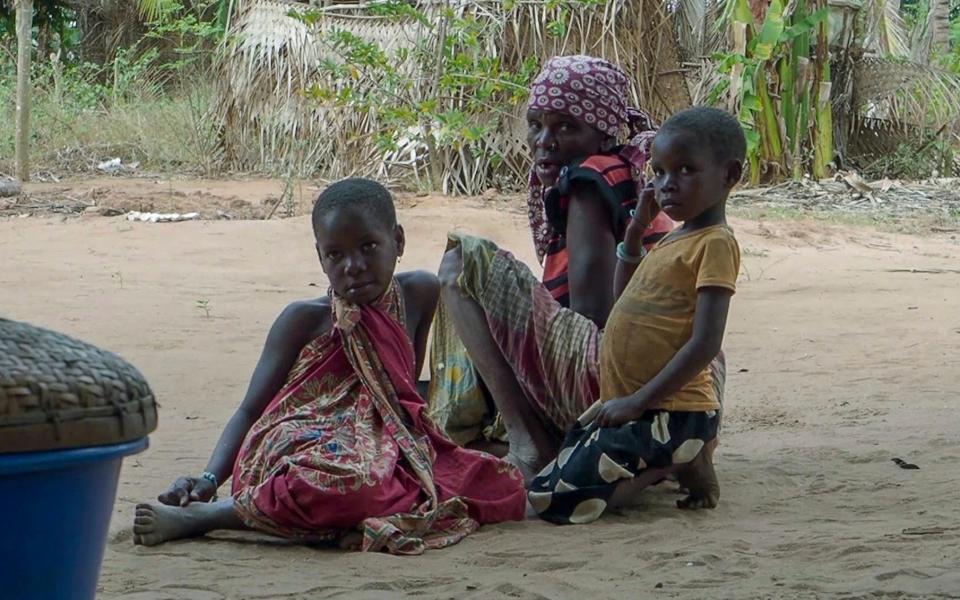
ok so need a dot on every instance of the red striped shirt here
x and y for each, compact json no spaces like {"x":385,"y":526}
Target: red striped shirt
{"x":616,"y":188}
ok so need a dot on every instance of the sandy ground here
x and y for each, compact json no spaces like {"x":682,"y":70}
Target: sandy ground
{"x":842,"y":344}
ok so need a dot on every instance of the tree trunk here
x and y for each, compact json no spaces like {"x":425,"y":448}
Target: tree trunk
{"x":24,"y":47}
{"x":940,"y":26}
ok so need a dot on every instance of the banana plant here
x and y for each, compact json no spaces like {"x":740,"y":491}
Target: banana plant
{"x":778,"y":83}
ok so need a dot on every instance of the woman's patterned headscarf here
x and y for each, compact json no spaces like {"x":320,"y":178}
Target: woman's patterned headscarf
{"x":594,"y":91}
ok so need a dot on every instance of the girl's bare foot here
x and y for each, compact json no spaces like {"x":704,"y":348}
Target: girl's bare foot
{"x":700,"y":479}
{"x":158,"y":523}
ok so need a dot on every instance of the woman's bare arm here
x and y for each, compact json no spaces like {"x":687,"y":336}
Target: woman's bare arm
{"x":591,"y":246}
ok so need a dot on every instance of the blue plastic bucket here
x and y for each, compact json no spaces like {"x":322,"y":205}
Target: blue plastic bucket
{"x":55,"y":512}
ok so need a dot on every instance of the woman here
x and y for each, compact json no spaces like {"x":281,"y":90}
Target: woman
{"x":535,"y":344}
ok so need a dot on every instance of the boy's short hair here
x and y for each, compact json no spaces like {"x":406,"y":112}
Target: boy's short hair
{"x":366,"y":196}
{"x":717,"y":129}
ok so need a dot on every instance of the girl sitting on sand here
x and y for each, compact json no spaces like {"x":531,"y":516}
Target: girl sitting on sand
{"x":658,"y":398}
{"x":332,"y":440}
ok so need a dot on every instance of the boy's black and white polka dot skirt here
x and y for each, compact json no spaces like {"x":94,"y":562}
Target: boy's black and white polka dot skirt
{"x":577,"y":485}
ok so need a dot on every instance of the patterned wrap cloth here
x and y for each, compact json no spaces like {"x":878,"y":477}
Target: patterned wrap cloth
{"x":594,"y":91}
{"x":554,"y":351}
{"x":346,"y":444}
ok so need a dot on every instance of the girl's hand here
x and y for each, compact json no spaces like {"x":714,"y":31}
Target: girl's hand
{"x":619,"y":411}
{"x":185,"y":490}
{"x":646,"y":211}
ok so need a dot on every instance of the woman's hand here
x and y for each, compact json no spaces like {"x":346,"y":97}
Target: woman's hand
{"x":185,"y":490}
{"x":646,"y":211}
{"x":620,"y":411}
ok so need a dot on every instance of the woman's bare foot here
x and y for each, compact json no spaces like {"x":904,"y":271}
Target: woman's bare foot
{"x":494,"y":447}
{"x":527,"y":460}
{"x":700,"y":479}
{"x":157,"y":523}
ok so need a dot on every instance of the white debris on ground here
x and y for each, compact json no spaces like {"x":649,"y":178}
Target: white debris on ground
{"x":115,"y":166}
{"x":148,"y":217}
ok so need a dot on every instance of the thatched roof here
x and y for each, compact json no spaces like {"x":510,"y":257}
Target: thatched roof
{"x":272,"y":57}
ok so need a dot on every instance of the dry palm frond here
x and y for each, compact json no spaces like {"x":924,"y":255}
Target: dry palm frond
{"x":921,"y":42}
{"x":880,"y":101}
{"x":106,"y":27}
{"x":269,"y":61}
{"x":906,"y":92}
{"x":704,"y":79}
{"x":885,"y":32}
{"x":698,"y":33}
{"x":151,"y":9}
{"x":690,"y":20}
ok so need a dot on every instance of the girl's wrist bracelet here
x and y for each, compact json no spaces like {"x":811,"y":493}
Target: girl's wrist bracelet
{"x":626,"y":257}
{"x":212,"y":479}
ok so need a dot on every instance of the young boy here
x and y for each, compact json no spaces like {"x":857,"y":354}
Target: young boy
{"x":658,"y":408}
{"x":332,"y":440}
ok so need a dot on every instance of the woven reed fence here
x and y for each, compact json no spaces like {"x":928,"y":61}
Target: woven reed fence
{"x":267,"y":121}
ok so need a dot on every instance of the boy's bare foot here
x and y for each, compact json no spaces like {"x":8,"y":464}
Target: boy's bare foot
{"x":700,"y":479}
{"x":352,"y":541}
{"x":627,"y":492}
{"x":158,"y":523}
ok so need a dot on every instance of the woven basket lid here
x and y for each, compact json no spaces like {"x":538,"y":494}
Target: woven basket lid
{"x":57,"y":392}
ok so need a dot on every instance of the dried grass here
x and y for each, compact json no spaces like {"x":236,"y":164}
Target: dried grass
{"x":271,"y":58}
{"x":849,"y":194}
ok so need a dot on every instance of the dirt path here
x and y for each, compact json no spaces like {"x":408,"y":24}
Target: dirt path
{"x":843,"y":348}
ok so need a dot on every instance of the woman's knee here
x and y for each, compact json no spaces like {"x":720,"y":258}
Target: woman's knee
{"x":450,"y":268}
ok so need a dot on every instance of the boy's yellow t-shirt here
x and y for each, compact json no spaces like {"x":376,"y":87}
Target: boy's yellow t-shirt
{"x":653,"y":318}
